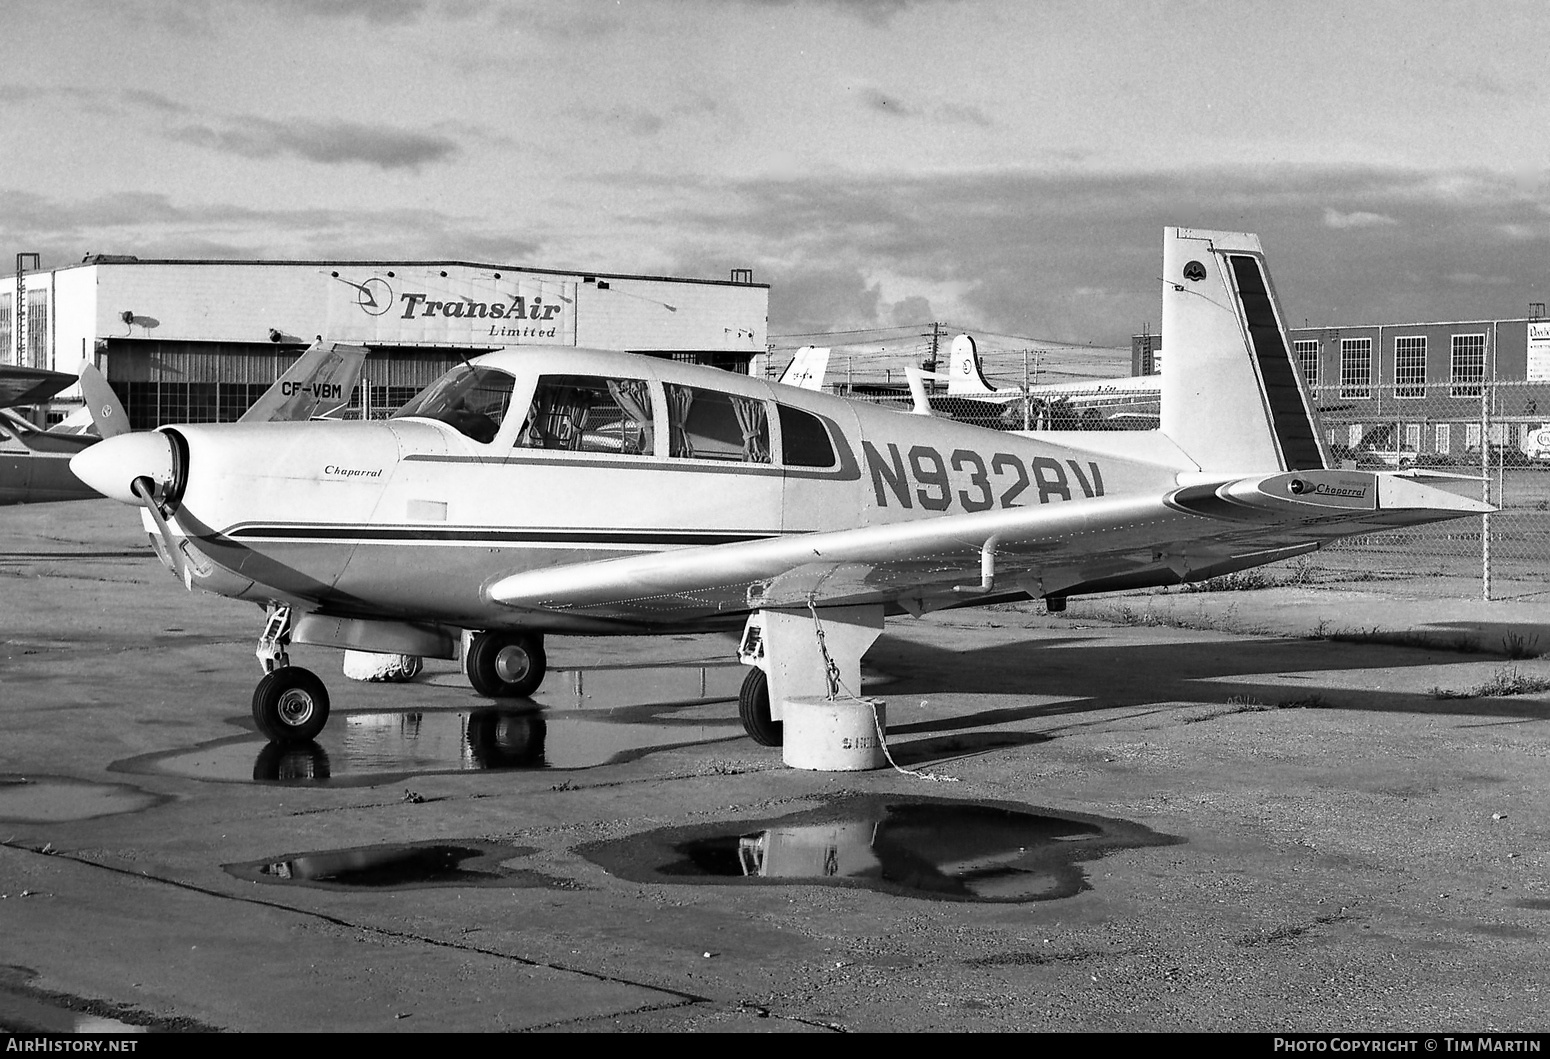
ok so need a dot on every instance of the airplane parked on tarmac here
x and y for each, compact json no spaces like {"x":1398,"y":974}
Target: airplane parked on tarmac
{"x":559,"y":490}
{"x":35,"y":464}
{"x":1124,"y":403}
{"x":807,"y":368}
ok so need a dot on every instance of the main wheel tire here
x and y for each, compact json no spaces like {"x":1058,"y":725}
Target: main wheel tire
{"x":753,"y":706}
{"x":505,"y":665}
{"x":290,"y":705}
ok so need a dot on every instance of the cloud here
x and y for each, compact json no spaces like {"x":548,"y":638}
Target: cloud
{"x":875,"y":100}
{"x":1333,"y":218}
{"x":880,"y":102}
{"x":875,"y":12}
{"x":328,"y":143}
{"x":151,"y":225}
{"x":379,"y":12}
{"x":1075,"y":257}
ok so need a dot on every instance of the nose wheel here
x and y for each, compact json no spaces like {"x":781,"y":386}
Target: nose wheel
{"x":290,"y":705}
{"x":504,"y":664}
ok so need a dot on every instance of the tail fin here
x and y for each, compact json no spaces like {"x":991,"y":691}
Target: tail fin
{"x":107,"y":415}
{"x":807,"y":368}
{"x":319,"y":384}
{"x":1232,"y":397}
{"x":964,"y":377}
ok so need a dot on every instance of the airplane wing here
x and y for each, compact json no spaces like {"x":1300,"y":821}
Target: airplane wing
{"x":318,"y":385}
{"x":1040,"y":550}
{"x":23,"y":386}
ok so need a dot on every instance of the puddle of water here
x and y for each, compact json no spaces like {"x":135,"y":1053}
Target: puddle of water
{"x":20,"y":1013}
{"x":932,"y":848}
{"x":52,"y":799}
{"x":408,"y":866}
{"x":583,"y":719}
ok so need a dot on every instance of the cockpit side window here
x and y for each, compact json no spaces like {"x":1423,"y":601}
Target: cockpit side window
{"x":583,"y":413}
{"x":471,"y":399}
{"x":803,"y":440}
{"x":711,"y":425}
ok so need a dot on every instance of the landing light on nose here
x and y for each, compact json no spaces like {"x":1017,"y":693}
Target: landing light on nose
{"x":112,"y":464}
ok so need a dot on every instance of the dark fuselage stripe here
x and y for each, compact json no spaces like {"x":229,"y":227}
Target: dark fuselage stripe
{"x":393,"y":534}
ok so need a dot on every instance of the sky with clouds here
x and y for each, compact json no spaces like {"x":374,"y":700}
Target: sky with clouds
{"x":1004,"y":165}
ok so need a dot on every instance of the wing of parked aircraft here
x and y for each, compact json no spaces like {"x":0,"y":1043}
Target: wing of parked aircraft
{"x":560,"y":490}
{"x":25,"y":386}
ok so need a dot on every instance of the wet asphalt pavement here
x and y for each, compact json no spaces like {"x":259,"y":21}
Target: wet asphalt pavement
{"x":1092,"y":827}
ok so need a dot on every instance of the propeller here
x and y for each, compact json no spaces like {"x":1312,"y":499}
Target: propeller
{"x":145,"y":489}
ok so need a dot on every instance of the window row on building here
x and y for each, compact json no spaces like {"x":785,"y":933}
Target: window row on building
{"x":1357,"y":378}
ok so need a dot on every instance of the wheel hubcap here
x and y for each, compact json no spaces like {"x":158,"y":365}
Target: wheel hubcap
{"x":295,"y":707}
{"x":511,"y":664}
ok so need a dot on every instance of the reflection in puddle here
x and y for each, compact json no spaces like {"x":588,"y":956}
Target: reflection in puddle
{"x":919,"y":847}
{"x":401,"y":867}
{"x":583,"y":718}
{"x":50,"y":799}
{"x":23,"y":1013}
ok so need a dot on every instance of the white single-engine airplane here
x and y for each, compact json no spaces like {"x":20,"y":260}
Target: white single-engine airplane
{"x":560,"y":490}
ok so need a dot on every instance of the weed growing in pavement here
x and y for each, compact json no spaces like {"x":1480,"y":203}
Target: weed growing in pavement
{"x":1516,"y":646}
{"x":1506,"y":681}
{"x":1395,"y":638}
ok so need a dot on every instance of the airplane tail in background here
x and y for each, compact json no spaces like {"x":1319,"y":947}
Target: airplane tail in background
{"x":317,"y":386}
{"x":107,"y":414}
{"x":964,"y":377}
{"x":1233,"y":399}
{"x":807,"y":368}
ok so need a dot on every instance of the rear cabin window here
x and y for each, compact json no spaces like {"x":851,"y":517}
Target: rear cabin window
{"x":471,"y":399}
{"x":711,"y":425}
{"x":583,"y":413}
{"x":803,"y":440}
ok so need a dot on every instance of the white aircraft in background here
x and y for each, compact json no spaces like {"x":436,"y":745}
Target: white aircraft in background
{"x":35,"y":464}
{"x":559,"y":490}
{"x":1127,"y":403}
{"x":807,"y":368}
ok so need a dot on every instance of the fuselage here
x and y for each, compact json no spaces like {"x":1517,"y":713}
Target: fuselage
{"x":587,"y":455}
{"x":35,"y":465}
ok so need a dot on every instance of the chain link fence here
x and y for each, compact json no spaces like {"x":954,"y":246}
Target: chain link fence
{"x":1488,"y":433}
{"x":1483,"y":439}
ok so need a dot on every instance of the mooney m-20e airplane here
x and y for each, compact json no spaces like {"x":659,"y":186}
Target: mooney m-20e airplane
{"x":35,"y":464}
{"x":559,"y":490}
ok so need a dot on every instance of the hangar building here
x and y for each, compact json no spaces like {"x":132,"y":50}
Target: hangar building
{"x":198,"y":341}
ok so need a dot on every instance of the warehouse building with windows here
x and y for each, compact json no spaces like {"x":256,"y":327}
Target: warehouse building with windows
{"x":1431,"y":393}
{"x":198,"y":341}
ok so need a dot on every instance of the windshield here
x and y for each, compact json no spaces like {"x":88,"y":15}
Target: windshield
{"x":471,"y":399}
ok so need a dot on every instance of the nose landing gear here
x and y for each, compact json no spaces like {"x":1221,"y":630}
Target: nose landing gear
{"x":290,"y":705}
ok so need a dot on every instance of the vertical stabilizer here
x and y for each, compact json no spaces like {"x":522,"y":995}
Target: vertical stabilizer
{"x":318,"y":385}
{"x":107,"y":414}
{"x":1232,"y":397}
{"x":965,"y":378}
{"x":807,"y":368}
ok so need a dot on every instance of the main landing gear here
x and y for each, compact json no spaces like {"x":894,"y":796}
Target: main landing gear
{"x":290,"y":705}
{"x":505,"y":664}
{"x":799,"y":652}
